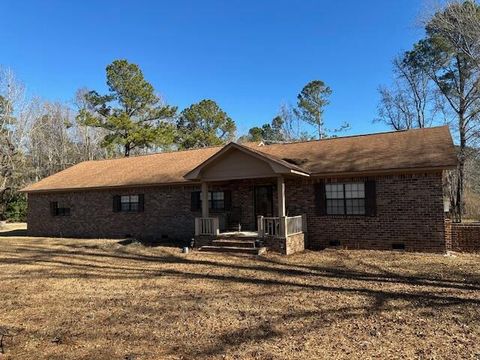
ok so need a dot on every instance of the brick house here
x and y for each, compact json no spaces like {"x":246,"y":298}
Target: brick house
{"x":378,"y":191}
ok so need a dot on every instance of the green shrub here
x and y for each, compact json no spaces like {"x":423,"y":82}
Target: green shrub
{"x":17,"y":209}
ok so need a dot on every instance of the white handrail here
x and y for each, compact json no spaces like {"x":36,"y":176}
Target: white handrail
{"x":281,"y":226}
{"x":207,"y":226}
{"x":271,"y":226}
{"x":294,"y":225}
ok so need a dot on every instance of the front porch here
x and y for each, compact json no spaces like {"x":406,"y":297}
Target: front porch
{"x":239,"y":189}
{"x":287,"y":239}
{"x":253,"y":219}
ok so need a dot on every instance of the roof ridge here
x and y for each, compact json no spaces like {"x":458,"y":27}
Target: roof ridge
{"x":359,"y":135}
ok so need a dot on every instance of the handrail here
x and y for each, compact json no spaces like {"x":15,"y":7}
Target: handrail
{"x":207,"y":226}
{"x":294,"y":225}
{"x":281,"y":226}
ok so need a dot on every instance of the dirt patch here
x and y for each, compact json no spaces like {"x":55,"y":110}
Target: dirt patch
{"x":86,"y":299}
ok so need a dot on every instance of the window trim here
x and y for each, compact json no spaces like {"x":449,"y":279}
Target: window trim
{"x":344,"y":198}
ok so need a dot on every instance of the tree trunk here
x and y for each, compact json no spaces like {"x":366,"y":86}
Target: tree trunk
{"x":462,"y":128}
{"x":458,"y":211}
{"x":127,"y":150}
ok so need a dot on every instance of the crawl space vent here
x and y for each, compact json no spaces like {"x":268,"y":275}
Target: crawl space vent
{"x":398,"y":246}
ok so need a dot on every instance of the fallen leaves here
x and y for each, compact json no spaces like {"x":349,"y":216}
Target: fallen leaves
{"x":83,"y":299}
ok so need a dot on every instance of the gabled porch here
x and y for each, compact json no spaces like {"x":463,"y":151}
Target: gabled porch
{"x":256,"y":216}
{"x":282,"y":234}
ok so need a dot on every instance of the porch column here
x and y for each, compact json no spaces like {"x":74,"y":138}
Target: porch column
{"x":204,"y":200}
{"x":281,"y":196}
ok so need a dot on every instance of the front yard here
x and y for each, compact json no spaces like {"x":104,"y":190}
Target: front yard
{"x":98,"y":299}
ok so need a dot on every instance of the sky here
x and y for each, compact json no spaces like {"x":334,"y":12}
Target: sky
{"x":248,"y":56}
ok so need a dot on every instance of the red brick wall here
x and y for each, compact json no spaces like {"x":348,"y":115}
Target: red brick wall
{"x":167,"y":212}
{"x":463,"y":237}
{"x":409,"y":211}
{"x":448,"y":234}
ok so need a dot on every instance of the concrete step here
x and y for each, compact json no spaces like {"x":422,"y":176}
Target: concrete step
{"x":239,"y":235}
{"x":234,"y":243}
{"x":237,"y":238}
{"x":233,"y":249}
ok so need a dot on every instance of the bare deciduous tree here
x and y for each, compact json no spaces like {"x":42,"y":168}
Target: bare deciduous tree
{"x":87,"y":138}
{"x":292,"y":125}
{"x":50,"y":147}
{"x":408,"y":103}
{"x":13,"y":131}
{"x":448,"y":54}
{"x":459,"y":23}
{"x":445,"y":61}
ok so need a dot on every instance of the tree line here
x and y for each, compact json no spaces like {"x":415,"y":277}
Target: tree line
{"x":435,"y":82}
{"x":438,"y":81}
{"x":40,"y":138}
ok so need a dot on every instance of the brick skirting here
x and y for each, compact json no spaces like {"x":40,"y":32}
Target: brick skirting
{"x":462,"y":237}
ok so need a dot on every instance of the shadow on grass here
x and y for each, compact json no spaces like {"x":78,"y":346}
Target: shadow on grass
{"x":91,"y":261}
{"x":272,"y":266}
{"x":152,"y":243}
{"x":13,"y":233}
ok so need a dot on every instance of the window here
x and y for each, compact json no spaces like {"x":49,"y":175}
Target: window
{"x":217,"y":200}
{"x":345,"y":199}
{"x":128,"y":203}
{"x":58,"y":211}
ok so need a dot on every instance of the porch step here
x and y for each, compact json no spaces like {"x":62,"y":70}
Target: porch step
{"x":233,"y":249}
{"x":235,"y":235}
{"x":234,"y":243}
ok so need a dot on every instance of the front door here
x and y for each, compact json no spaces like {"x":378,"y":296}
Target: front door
{"x":263,"y":200}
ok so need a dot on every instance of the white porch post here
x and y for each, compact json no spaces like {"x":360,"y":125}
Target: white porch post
{"x":281,"y":206}
{"x":260,"y":226}
{"x":204,"y":200}
{"x":281,"y":196}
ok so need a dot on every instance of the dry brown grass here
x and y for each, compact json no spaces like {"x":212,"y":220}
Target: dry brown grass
{"x":103,"y":300}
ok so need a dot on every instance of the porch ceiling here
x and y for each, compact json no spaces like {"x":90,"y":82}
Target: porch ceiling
{"x":236,"y":161}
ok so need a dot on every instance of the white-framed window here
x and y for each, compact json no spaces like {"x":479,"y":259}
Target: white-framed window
{"x":345,"y":198}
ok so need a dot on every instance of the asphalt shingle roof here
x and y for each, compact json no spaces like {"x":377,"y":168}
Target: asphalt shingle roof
{"x":383,"y":152}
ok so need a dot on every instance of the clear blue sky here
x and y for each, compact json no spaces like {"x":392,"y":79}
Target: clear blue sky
{"x":249,"y":56}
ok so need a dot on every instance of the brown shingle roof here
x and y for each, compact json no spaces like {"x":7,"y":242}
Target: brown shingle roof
{"x":396,"y":150}
{"x":412,"y":149}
